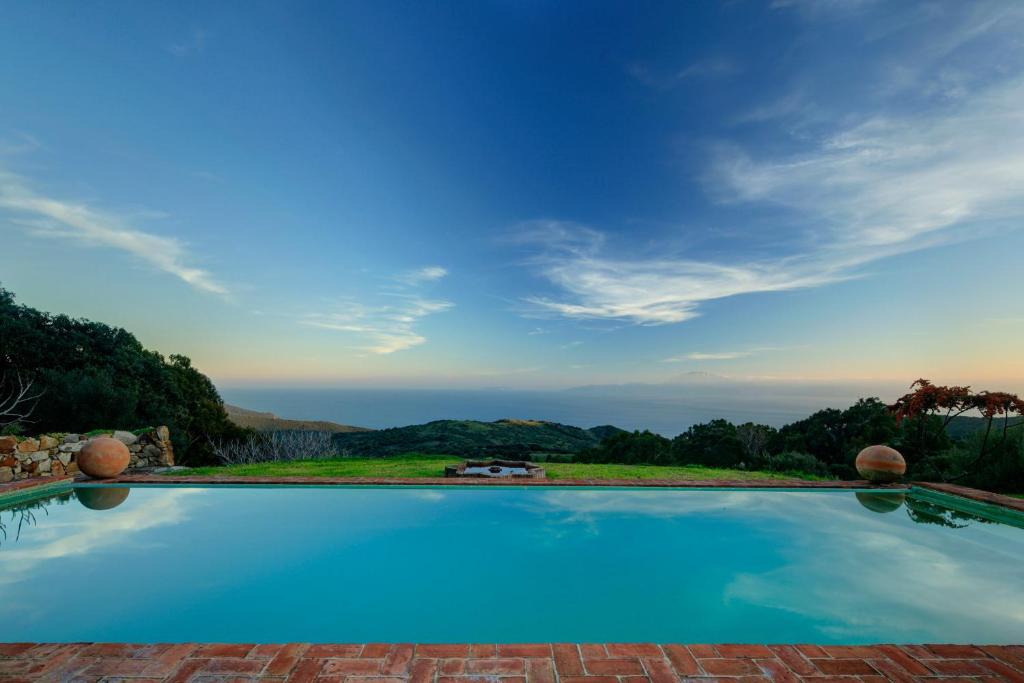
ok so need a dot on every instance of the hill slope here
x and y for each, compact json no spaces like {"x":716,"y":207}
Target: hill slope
{"x":469,"y":438}
{"x":268,"y":422}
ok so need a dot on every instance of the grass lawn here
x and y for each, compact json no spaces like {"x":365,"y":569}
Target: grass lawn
{"x":433,"y":466}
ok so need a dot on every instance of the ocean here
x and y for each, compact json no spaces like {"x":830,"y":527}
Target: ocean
{"x":665,"y":409}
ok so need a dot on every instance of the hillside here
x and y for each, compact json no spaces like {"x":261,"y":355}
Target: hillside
{"x":964,"y":426}
{"x":268,"y":422}
{"x":504,"y":438}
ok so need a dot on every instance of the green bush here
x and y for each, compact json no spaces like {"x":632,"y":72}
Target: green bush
{"x":793,"y":461}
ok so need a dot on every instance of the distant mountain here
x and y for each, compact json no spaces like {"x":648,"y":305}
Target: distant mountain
{"x":503,"y":438}
{"x":268,"y":422}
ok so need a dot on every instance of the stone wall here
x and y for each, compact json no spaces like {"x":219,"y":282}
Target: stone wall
{"x":53,"y":455}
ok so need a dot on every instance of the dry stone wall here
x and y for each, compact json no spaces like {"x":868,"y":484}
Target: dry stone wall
{"x":53,"y":455}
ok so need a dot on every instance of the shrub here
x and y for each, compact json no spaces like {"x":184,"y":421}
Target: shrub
{"x":793,"y":461}
{"x":279,"y":446}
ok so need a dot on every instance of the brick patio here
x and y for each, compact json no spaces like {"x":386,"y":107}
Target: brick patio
{"x":559,"y":663}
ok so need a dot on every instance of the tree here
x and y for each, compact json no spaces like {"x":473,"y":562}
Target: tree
{"x":713,"y":443}
{"x":933,"y":407}
{"x":755,"y":439}
{"x":88,"y":375}
{"x":631,"y":448}
{"x":836,"y":436}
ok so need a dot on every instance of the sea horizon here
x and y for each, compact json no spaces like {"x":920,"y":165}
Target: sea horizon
{"x":663,"y":409}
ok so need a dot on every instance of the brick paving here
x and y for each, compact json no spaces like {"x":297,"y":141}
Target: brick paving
{"x":490,"y":663}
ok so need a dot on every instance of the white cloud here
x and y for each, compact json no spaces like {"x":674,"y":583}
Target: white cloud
{"x":720,"y":355}
{"x":194,"y":43}
{"x":885,"y":186}
{"x":707,"y":68}
{"x":53,"y":218}
{"x":716,"y":355}
{"x":422,"y":275}
{"x":387,"y":328}
{"x":891,"y":181}
{"x":656,"y":290}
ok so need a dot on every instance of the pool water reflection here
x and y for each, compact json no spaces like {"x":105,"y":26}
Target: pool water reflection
{"x":164,"y":564}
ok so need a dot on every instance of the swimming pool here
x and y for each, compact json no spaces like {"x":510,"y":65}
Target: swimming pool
{"x":516,"y":564}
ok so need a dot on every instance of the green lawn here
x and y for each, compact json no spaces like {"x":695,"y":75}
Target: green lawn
{"x":433,"y":466}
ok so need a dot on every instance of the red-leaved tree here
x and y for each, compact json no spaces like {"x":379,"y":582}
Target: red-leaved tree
{"x":927,"y":400}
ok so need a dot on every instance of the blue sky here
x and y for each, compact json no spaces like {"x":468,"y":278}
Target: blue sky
{"x":524,"y":193}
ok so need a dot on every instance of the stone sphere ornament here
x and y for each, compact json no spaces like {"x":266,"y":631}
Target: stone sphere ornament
{"x":881,"y":464}
{"x":103,"y":458}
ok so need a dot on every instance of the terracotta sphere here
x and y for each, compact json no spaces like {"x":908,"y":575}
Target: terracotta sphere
{"x":103,"y":458}
{"x":102,"y":498}
{"x":881,"y":464}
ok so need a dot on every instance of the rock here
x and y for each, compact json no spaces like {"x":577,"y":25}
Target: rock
{"x":71,"y":438}
{"x":39,"y":456}
{"x":163,"y":433}
{"x":6,"y":474}
{"x":46,"y":442}
{"x":72,"y":468}
{"x":43,"y":466}
{"x":104,"y":457}
{"x":8,"y":444}
{"x":28,"y":446}
{"x":127,"y":438}
{"x":152,"y":453}
{"x":881,"y":464}
{"x":8,"y":461}
{"x":72,"y":447}
{"x":64,"y":458}
{"x":57,"y":469}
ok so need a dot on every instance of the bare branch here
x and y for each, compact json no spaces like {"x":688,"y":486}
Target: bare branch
{"x":17,"y":399}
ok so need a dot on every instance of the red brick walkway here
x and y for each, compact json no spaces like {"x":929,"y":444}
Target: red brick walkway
{"x":561,"y":663}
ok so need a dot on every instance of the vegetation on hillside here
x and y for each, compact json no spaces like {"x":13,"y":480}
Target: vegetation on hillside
{"x":419,"y":465}
{"x":268,"y":422}
{"x":503,"y":438}
{"x":87,"y":374}
{"x":987,"y":451}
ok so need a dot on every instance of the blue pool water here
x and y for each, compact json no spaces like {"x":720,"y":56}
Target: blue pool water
{"x":505,"y":565}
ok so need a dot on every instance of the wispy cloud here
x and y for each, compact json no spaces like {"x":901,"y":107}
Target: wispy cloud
{"x":714,"y":355}
{"x":894,"y":180}
{"x":194,"y":43}
{"x":708,"y":68}
{"x":387,"y":328}
{"x":422,"y":275}
{"x":651,"y":291}
{"x":54,"y":218}
{"x":877,"y":188}
{"x":719,"y":355}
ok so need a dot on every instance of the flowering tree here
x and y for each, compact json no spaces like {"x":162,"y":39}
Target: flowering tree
{"x":939,"y":405}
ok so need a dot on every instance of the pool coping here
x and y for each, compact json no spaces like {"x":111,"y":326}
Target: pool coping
{"x":508,"y":663}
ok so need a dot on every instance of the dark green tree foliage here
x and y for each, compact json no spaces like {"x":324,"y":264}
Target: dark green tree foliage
{"x":94,"y":376}
{"x":836,"y":436}
{"x":715,"y":443}
{"x":630,"y":448}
